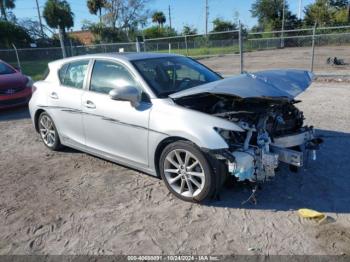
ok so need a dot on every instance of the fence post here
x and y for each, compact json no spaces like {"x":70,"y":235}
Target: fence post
{"x":71,"y":47}
{"x":61,"y":35}
{"x":186,"y":44}
{"x":313,"y":47}
{"x":169,"y":48}
{"x":283,"y":21}
{"x":138,"y":48}
{"x":240,"y":47}
{"x":144,"y":43}
{"x":17,"y":57}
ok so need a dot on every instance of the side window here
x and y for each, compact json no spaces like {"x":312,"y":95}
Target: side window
{"x":62,"y":73}
{"x":73,"y":74}
{"x":109,"y":75}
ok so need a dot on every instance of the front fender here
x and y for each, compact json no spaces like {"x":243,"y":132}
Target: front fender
{"x":171,"y":119}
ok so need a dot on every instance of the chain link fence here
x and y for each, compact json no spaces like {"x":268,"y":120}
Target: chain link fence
{"x":324,"y":50}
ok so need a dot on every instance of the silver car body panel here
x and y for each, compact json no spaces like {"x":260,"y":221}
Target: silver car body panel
{"x":129,"y":135}
{"x":119,"y":132}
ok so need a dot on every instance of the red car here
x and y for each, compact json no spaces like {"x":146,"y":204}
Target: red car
{"x":15,"y":88}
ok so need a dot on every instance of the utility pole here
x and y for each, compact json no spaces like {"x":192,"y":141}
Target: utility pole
{"x":39,"y":15}
{"x":206,"y":16}
{"x":283,"y":21}
{"x":240,"y":39}
{"x":170,"y":16}
{"x":348,"y":11}
{"x":300,"y":8}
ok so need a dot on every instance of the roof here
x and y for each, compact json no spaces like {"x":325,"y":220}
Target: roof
{"x":122,"y":56}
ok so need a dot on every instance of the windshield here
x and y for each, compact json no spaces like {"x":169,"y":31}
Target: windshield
{"x":168,"y":75}
{"x":5,"y":69}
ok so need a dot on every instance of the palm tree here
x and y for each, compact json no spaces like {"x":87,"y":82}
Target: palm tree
{"x":58,"y":15}
{"x":95,"y":6}
{"x":159,"y":18}
{"x":6,"y":4}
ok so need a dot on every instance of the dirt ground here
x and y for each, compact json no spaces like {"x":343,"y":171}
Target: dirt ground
{"x":73,"y":203}
{"x":284,"y":58}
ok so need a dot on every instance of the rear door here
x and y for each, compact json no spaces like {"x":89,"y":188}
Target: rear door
{"x":115,"y":128}
{"x":65,"y":102}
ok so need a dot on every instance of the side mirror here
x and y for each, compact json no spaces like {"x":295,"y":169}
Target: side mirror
{"x":126,"y":93}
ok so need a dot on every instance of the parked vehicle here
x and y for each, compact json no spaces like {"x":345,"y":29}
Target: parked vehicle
{"x":172,"y":117}
{"x":15,"y":88}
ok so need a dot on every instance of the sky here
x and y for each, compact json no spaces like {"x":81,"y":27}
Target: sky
{"x":183,"y":12}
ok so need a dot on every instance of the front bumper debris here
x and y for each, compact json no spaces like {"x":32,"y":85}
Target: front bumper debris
{"x":258,"y":163}
{"x":289,"y":156}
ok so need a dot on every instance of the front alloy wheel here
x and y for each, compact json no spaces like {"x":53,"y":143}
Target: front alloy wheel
{"x":48,"y":132}
{"x":186,"y":172}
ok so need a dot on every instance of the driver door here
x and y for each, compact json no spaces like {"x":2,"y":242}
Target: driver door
{"x":115,"y":128}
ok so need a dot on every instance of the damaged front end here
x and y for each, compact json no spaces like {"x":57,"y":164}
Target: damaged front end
{"x":273,"y":127}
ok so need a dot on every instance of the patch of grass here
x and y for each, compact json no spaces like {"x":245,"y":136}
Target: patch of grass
{"x":202,"y":51}
{"x":34,"y":69}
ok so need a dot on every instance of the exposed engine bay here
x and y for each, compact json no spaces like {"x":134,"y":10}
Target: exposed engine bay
{"x":274,"y":132}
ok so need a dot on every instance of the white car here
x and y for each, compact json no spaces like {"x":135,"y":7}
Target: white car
{"x":170,"y":116}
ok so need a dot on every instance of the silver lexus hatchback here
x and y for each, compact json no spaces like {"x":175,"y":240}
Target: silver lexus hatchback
{"x":170,"y":116}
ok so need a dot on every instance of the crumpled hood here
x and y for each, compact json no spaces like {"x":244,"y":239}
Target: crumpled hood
{"x":264,"y":84}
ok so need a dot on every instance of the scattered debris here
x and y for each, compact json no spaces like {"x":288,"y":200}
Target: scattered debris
{"x":252,"y":197}
{"x":254,"y":249}
{"x":335,"y":61}
{"x":312,"y":214}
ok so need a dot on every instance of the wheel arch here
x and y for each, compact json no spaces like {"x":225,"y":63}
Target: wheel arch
{"x":36,"y":118}
{"x":163,"y":144}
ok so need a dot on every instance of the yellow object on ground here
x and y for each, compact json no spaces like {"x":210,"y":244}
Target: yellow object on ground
{"x":309,"y":213}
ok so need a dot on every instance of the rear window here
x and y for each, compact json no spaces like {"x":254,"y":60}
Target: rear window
{"x":6,"y":70}
{"x":73,"y":74}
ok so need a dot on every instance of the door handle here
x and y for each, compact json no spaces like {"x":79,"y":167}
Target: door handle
{"x":54,"y":95}
{"x":89,"y":104}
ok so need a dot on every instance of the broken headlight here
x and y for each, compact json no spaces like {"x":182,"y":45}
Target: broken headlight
{"x":231,"y":137}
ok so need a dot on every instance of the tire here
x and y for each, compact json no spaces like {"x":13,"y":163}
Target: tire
{"x":187,"y":181}
{"x":48,"y":132}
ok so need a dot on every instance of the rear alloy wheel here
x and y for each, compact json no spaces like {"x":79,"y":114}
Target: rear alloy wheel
{"x":48,"y":132}
{"x":186,"y":172}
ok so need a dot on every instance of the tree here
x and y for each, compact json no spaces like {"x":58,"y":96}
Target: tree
{"x":339,"y":3}
{"x":96,"y":6}
{"x":318,"y":13}
{"x":123,"y":14}
{"x":120,"y":21}
{"x":343,"y":6}
{"x":270,"y":14}
{"x":132,"y":13}
{"x":327,"y":12}
{"x":12,"y":33}
{"x":156,"y":32}
{"x":33,"y":28}
{"x":58,"y":14}
{"x":112,"y":8}
{"x":4,"y":5}
{"x":159,"y":18}
{"x":221,"y":25}
{"x":188,"y":30}
{"x":104,"y":34}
